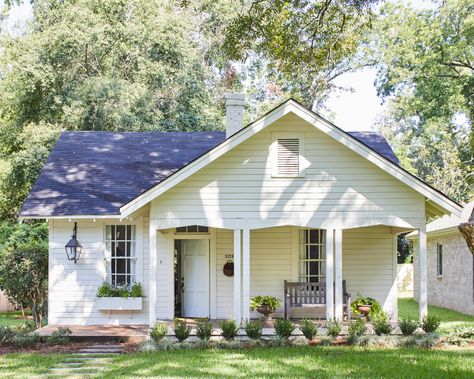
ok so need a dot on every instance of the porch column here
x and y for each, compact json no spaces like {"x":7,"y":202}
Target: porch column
{"x":329,"y":274}
{"x":245,"y":274}
{"x":338,"y":313}
{"x":152,"y":275}
{"x":237,"y":276}
{"x":423,"y":275}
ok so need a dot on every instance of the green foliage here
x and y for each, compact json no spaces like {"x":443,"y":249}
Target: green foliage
{"x":309,"y":329}
{"x":306,"y":44}
{"x":108,"y":290}
{"x":253,"y":329}
{"x":25,"y":339}
{"x":460,"y":336}
{"x":204,"y":330}
{"x":430,"y":323}
{"x":375,"y":305}
{"x":24,"y":276}
{"x":424,"y":60}
{"x":6,"y":334}
{"x":270,"y":301}
{"x":61,"y":336}
{"x":357,"y":327}
{"x":159,"y":331}
{"x":181,"y":330}
{"x":407,"y":326}
{"x":229,"y":329}
{"x":333,"y":327}
{"x":283,"y":328}
{"x":92,"y":65}
{"x":380,"y":323}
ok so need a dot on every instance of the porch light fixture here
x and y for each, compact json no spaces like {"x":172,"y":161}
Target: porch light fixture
{"x":73,"y":247}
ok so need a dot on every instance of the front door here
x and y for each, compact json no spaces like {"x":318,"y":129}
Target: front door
{"x":195,"y":278}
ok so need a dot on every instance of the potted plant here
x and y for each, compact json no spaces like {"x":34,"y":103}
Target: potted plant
{"x":119,"y":298}
{"x":365,"y":306}
{"x":264,"y":305}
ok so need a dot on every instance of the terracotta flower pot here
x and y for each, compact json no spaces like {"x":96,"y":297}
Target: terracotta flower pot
{"x":364,"y":309}
{"x":265,"y":309}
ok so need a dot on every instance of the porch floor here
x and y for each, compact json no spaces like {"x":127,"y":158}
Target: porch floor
{"x":129,"y":333}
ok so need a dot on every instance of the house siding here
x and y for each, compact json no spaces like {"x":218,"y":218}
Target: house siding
{"x":72,"y":286}
{"x":340,"y":188}
{"x":454,"y":290}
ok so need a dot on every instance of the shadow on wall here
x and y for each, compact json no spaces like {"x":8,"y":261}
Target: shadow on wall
{"x":405,"y":277}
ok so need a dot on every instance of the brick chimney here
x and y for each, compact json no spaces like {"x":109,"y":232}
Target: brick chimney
{"x":234,"y":113}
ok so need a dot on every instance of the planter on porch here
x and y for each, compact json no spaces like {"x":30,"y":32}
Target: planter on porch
{"x":120,"y":304}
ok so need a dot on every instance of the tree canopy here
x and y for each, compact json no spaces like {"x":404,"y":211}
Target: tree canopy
{"x":425,"y":61}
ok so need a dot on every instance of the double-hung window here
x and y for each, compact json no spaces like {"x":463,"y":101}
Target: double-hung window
{"x":120,"y":244}
{"x":312,"y":255}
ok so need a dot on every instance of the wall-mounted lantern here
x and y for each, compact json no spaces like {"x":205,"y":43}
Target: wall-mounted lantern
{"x":73,"y":247}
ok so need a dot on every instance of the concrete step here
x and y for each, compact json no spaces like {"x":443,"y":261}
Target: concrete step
{"x":96,"y":355}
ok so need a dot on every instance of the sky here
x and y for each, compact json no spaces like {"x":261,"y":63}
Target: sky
{"x":351,"y":110}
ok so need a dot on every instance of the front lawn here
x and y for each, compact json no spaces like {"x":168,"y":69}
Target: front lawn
{"x":295,"y":362}
{"x":408,"y":308}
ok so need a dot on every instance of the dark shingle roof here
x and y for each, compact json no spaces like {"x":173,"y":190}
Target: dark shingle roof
{"x":95,"y":173}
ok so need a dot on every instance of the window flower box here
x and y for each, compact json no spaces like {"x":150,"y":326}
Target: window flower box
{"x":119,"y":304}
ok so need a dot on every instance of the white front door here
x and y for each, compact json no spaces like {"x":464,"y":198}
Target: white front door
{"x":195,"y":272}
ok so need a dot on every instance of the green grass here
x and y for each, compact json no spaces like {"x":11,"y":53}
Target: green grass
{"x":296,"y":362}
{"x":408,"y":308}
{"x":11,"y":319}
{"x":27,"y":365}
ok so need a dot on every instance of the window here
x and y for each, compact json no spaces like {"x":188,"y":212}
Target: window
{"x":439,"y":254}
{"x":287,"y":155}
{"x":192,"y":229}
{"x":120,"y":244}
{"x":312,"y":256}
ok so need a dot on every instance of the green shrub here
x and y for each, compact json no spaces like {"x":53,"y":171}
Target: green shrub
{"x":283,"y":328}
{"x":59,"y":337}
{"x":427,"y":341}
{"x":181,"y":330}
{"x":334,"y":328}
{"x":159,"y":331}
{"x":25,"y":339}
{"x":375,"y":305}
{"x":309,"y":329}
{"x":430,"y":323}
{"x":229,"y":329}
{"x":6,"y":334}
{"x":407,"y":326}
{"x":204,"y":330}
{"x":253,"y":329}
{"x":108,"y":290}
{"x":279,"y":341}
{"x":381,"y":324}
{"x":460,"y":336}
{"x":25,"y":327}
{"x":357,"y":328}
{"x":271,"y":301}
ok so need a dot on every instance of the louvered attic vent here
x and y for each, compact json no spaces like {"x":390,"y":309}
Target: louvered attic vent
{"x":288,"y":156}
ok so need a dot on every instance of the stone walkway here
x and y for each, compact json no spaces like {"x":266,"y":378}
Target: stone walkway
{"x":84,"y":363}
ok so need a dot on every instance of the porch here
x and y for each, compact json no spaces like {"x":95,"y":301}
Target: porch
{"x":263,"y":259}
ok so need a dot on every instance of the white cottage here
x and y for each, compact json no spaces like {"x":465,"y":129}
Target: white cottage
{"x":288,"y":197}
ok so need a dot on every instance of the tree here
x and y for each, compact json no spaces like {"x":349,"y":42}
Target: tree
{"x":101,"y":65}
{"x":426,"y":71}
{"x":306,"y":44}
{"x":24,"y":268}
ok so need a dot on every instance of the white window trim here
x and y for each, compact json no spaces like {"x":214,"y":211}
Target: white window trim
{"x":322,"y":262}
{"x":136,"y":259}
{"x":274,"y":153}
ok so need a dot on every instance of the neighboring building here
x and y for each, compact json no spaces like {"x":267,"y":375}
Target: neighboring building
{"x":288,"y":197}
{"x":5,"y":304}
{"x":450,"y":264}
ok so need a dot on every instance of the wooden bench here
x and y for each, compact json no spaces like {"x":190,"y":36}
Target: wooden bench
{"x":298,"y":295}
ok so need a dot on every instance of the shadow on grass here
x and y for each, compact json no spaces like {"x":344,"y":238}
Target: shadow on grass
{"x":328,"y":362}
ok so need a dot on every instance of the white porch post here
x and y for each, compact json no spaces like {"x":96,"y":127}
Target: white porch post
{"x":245,"y":274}
{"x":338,"y":273}
{"x":423,"y":275}
{"x":152,"y":275}
{"x":237,"y":276}
{"x":329,"y":274}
